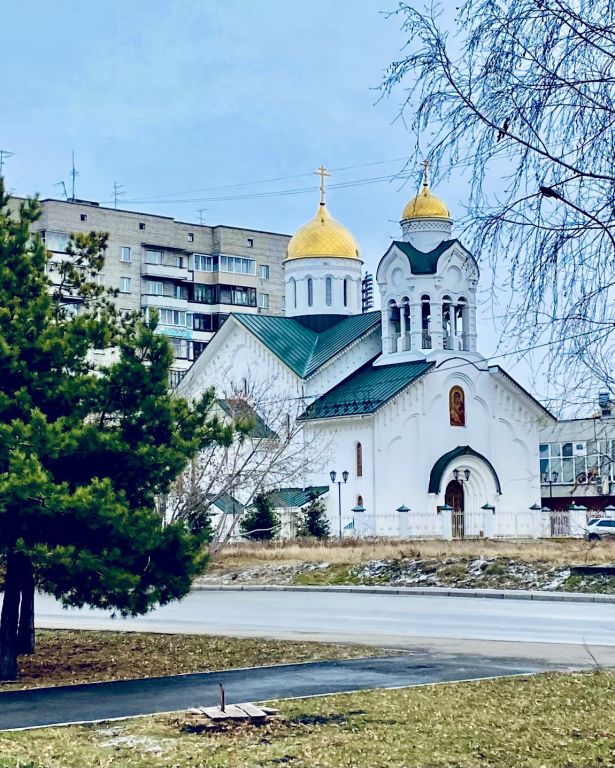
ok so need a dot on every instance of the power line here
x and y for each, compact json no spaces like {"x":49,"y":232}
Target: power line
{"x":403,"y":175}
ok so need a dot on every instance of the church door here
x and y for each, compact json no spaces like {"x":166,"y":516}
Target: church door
{"x":454,"y":498}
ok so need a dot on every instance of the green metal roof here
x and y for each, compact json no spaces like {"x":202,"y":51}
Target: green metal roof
{"x":226,"y":503}
{"x":304,"y":351}
{"x":423,"y":263}
{"x":295,"y":497}
{"x":365,"y":390}
{"x":435,"y":477}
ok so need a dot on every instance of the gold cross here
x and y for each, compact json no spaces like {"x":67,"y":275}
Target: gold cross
{"x":322,"y":172}
{"x":425,"y":165}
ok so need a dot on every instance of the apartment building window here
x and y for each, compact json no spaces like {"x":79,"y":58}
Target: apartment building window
{"x":198,"y":347}
{"x":201,"y":322}
{"x":84,"y":217}
{"x":175,"y":377}
{"x":153,"y":257}
{"x":55,"y":241}
{"x":205,"y":294}
{"x":263,"y":300}
{"x":99,"y":279}
{"x":237,"y":265}
{"x":173,"y":317}
{"x":154,"y":287}
{"x":264,"y":271}
{"x":190,"y":237}
{"x":125,"y":283}
{"x":205,"y":263}
{"x":179,"y":291}
{"x":125,"y":254}
{"x":182,"y":348}
{"x":141,"y":225}
{"x":250,"y":242}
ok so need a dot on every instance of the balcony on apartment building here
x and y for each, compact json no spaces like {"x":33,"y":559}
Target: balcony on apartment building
{"x":166,"y":262}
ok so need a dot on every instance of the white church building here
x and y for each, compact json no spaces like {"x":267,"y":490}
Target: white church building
{"x":435,"y":440}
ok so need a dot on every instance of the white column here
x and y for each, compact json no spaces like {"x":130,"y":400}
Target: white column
{"x":416,"y":333}
{"x":402,"y":329}
{"x":404,"y":523}
{"x":447,"y":523}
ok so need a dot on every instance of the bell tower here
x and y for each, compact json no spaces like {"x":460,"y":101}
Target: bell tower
{"x":427,"y":283}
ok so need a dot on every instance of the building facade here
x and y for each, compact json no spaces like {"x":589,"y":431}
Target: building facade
{"x":194,"y":275}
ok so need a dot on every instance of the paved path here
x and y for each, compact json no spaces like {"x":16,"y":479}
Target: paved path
{"x":102,"y":701}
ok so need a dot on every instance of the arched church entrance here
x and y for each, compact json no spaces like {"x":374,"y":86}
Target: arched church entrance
{"x":454,"y":497}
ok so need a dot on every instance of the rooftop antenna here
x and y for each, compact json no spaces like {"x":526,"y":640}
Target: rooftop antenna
{"x":64,"y":190}
{"x":118,"y":191}
{"x":4,"y":154}
{"x":74,"y":173}
{"x":200,"y":211}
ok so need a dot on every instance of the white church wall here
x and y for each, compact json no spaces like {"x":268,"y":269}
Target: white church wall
{"x":342,"y":437}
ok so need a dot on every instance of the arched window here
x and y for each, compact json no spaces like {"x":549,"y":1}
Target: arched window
{"x":345,"y":291}
{"x":359,"y":460}
{"x":359,"y":501}
{"x":447,"y":322}
{"x":310,"y":292}
{"x":293,"y":292}
{"x":393,"y":319}
{"x":328,"y":291}
{"x":457,"y":407}
{"x":426,"y":320}
{"x":461,"y":323}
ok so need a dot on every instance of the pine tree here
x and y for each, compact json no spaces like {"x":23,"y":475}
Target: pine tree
{"x":261,"y":522}
{"x":314,"y":520}
{"x":85,"y":450}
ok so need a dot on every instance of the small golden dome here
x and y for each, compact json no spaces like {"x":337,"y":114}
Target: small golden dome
{"x":425,"y":206}
{"x":322,"y":236}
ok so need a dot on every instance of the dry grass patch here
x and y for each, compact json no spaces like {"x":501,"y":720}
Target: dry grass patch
{"x":64,"y":657}
{"x":556,"y":721}
{"x":353,"y":551}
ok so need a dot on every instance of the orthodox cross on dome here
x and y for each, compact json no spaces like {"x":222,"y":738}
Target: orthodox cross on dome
{"x":425,"y":165}
{"x":322,"y":172}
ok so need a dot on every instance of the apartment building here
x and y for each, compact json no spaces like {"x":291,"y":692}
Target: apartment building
{"x":194,"y":275}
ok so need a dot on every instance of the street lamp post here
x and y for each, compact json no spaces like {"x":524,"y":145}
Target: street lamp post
{"x":550,"y":480}
{"x":333,"y":475}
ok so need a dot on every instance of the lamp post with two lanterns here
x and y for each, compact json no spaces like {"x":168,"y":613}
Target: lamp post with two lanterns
{"x":333,"y":476}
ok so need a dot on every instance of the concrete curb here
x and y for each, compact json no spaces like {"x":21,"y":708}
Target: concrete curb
{"x":497,"y":594}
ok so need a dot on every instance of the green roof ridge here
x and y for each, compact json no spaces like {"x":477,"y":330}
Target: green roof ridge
{"x":303,"y":350}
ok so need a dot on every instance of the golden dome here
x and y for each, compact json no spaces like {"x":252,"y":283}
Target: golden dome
{"x":425,"y":206}
{"x":322,"y":236}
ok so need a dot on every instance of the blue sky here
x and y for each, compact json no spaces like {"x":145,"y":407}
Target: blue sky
{"x":178,"y":100}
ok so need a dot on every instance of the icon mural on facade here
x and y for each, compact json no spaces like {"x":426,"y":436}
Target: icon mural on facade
{"x":456,"y":407}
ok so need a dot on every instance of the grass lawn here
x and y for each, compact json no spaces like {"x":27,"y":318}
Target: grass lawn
{"x":550,"y":721}
{"x":64,"y":656}
{"x":353,"y":551}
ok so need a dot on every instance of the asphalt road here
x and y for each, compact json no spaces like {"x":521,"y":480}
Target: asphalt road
{"x":376,"y":619}
{"x":104,"y":701}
